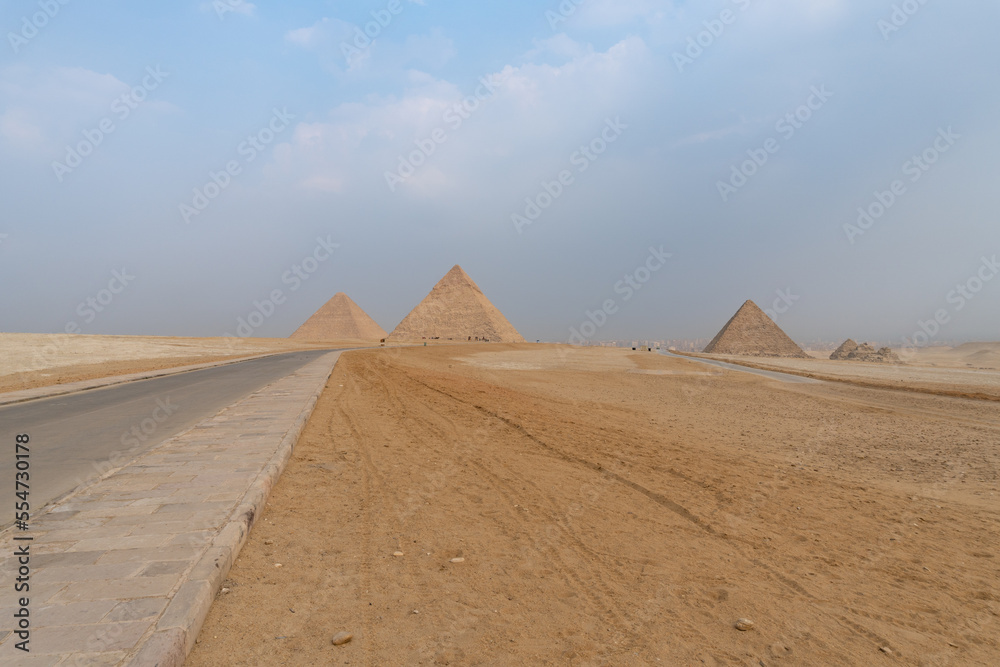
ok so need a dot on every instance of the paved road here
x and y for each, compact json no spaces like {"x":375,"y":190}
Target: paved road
{"x":76,"y":437}
{"x":781,"y":377}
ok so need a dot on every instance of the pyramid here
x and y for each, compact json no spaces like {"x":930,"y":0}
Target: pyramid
{"x":340,"y":319}
{"x":866,"y":352}
{"x":851,"y":351}
{"x":456,"y":309}
{"x":845,"y":349}
{"x":752,"y":333}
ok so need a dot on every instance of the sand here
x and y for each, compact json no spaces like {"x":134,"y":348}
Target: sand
{"x":29,"y":361}
{"x":938,"y":371}
{"x":618,"y":508}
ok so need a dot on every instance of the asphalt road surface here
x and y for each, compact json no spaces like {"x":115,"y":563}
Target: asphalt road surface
{"x":781,"y":377}
{"x":77,"y":437}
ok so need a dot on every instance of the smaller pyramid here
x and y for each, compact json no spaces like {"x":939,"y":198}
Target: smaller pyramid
{"x":851,"y":351}
{"x":340,"y":319}
{"x":456,"y":309}
{"x":752,"y":333}
{"x":844,"y":350}
{"x":866,"y":352}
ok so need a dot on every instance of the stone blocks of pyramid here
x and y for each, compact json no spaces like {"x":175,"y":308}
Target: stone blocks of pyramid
{"x":456,"y":309}
{"x":752,"y":333}
{"x":851,"y":351}
{"x":340,"y":319}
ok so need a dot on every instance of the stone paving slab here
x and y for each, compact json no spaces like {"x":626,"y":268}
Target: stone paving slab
{"x":124,"y":572}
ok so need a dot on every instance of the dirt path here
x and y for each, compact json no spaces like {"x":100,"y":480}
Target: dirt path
{"x":618,"y":508}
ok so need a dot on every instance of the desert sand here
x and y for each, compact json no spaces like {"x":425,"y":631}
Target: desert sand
{"x":550,"y":505}
{"x":29,"y":361}
{"x":936,"y":371}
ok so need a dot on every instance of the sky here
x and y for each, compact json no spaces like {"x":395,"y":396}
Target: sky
{"x":644,"y":166}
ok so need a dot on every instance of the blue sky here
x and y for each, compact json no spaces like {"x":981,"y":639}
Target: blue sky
{"x":832,"y":99}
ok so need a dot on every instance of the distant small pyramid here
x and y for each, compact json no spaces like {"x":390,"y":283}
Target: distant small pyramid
{"x":752,"y":333}
{"x":340,"y":319}
{"x":845,"y":349}
{"x":867,"y":352}
{"x":456,"y":309}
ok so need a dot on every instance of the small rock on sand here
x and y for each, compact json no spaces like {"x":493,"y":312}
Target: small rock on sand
{"x":457,"y":560}
{"x":397,"y":554}
{"x":744,"y":624}
{"x":885,"y":649}
{"x":341,"y":638}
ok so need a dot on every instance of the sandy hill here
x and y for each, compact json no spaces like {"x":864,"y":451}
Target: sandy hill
{"x":456,"y":309}
{"x":983,"y":359}
{"x":752,"y":333}
{"x":340,"y":319}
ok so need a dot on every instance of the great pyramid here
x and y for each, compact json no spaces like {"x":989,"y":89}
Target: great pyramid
{"x":456,"y":309}
{"x":340,"y":319}
{"x":752,"y":333}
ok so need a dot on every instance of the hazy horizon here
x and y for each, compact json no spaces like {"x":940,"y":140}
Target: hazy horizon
{"x":832,"y":161}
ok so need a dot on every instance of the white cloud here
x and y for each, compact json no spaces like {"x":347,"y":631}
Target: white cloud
{"x":618,"y":12}
{"x":40,"y":110}
{"x":375,"y":46}
{"x":323,"y":33}
{"x":539,"y":114}
{"x":814,"y":14}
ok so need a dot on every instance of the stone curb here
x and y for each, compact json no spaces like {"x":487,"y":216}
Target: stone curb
{"x":178,"y":627}
{"x":127,"y":569}
{"x":24,"y":395}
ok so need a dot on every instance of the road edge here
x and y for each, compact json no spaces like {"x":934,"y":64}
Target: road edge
{"x":25,"y":395}
{"x":182,"y":620}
